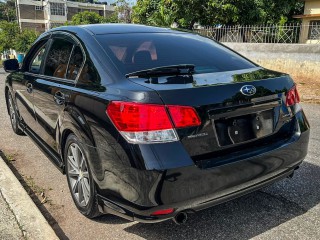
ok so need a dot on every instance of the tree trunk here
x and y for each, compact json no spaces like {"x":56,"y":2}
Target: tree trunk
{"x":191,"y":24}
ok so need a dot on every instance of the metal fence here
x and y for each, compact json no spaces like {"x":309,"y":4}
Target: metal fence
{"x":290,"y":33}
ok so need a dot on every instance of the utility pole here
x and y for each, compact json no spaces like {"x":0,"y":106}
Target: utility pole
{"x":42,"y":10}
{"x":18,"y":14}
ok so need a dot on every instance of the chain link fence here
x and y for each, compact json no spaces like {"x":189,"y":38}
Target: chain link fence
{"x":290,"y":33}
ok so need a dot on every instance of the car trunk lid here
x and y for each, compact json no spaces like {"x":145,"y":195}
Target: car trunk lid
{"x":229,"y":118}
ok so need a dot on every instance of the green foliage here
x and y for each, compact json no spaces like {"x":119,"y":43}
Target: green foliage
{"x":122,"y":14}
{"x":112,"y":18}
{"x":153,"y":12}
{"x":10,"y":37}
{"x":7,"y":10}
{"x":276,"y":10}
{"x":122,"y":11}
{"x":8,"y":33}
{"x":87,"y":17}
{"x":25,"y":39}
{"x":210,"y":12}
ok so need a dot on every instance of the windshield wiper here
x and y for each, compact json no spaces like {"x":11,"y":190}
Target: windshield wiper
{"x":181,"y":69}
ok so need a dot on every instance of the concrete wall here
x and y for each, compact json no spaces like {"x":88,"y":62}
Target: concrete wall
{"x":40,"y":27}
{"x":30,"y":18}
{"x":304,"y":34}
{"x":71,"y":12}
{"x":312,"y":7}
{"x":29,"y":12}
{"x":301,"y":61}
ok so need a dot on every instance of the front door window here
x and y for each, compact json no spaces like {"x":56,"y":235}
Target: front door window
{"x":37,"y":60}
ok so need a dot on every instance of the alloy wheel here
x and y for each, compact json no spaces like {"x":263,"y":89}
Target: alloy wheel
{"x":12,"y":113}
{"x":78,"y":175}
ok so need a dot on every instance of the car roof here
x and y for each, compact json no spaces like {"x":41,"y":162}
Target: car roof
{"x":116,"y":28}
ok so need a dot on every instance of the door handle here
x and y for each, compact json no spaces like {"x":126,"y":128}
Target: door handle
{"x":29,"y":88}
{"x":59,"y":98}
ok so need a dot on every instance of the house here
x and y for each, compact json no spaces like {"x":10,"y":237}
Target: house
{"x":44,"y":15}
{"x":310,"y":31}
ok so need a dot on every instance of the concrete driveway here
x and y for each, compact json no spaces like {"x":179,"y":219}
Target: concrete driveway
{"x":289,"y":209}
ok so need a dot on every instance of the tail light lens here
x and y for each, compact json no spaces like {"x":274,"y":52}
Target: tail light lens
{"x":135,"y":117}
{"x":292,"y":97}
{"x":162,"y":212}
{"x":184,"y":116}
{"x":150,"y":123}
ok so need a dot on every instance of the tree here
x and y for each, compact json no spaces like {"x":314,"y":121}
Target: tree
{"x":152,"y":12}
{"x":87,"y":17}
{"x":210,"y":12}
{"x":8,"y":32}
{"x":123,"y":11}
{"x":24,"y":40}
{"x":277,"y":10}
{"x":8,"y":10}
{"x":113,"y":18}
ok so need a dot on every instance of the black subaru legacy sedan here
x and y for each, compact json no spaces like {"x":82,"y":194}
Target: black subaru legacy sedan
{"x":153,"y":124}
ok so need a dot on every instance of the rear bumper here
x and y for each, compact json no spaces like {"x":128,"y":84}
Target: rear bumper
{"x":191,"y":206}
{"x":191,"y":188}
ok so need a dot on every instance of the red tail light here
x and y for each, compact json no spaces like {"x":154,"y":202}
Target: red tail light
{"x":136,"y":117}
{"x":149,"y":123}
{"x":292,"y":97}
{"x":162,"y":212}
{"x":184,"y":116}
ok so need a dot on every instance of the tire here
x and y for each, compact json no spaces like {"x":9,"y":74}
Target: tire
{"x":79,"y":177}
{"x":14,"y":119}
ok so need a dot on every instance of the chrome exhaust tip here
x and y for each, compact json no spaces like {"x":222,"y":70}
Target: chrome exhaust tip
{"x":181,"y":218}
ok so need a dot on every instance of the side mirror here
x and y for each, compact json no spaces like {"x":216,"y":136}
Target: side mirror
{"x":11,"y":65}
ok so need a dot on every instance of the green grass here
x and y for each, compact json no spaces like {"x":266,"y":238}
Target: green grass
{"x":11,"y":157}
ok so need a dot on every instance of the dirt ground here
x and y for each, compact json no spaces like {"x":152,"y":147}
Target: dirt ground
{"x":309,"y":89}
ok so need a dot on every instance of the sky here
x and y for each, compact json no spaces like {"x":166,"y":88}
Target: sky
{"x":112,"y":1}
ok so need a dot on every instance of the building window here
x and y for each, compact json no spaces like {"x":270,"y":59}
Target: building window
{"x":314,"y":30}
{"x":38,"y":8}
{"x":57,"y":9}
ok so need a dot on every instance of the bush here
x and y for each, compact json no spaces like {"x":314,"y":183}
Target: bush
{"x":24,"y":40}
{"x":8,"y":32}
{"x":87,"y":17}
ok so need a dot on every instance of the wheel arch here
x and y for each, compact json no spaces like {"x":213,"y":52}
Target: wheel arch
{"x":64,"y":136}
{"x":69,"y":126}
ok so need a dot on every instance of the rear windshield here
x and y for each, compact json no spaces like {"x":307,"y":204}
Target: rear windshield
{"x":139,"y":51}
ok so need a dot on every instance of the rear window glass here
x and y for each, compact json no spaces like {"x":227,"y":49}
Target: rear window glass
{"x":140,"y":51}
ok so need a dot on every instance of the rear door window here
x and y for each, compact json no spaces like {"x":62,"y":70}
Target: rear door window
{"x":58,"y":57}
{"x":75,"y":63}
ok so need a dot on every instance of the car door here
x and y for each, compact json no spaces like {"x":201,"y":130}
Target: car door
{"x":23,"y":82}
{"x":52,"y":90}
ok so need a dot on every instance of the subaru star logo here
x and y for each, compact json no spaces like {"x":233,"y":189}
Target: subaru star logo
{"x":248,"y":90}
